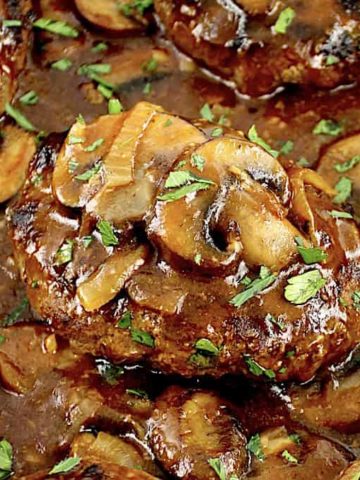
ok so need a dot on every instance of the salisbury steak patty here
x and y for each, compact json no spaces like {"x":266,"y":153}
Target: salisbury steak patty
{"x":143,"y":236}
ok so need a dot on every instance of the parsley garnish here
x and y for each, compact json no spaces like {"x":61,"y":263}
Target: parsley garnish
{"x":201,"y":361}
{"x":256,"y":369}
{"x":288,"y":457}
{"x":2,"y":340}
{"x":114,"y":106}
{"x":145,"y":338}
{"x":255,"y":138}
{"x":356,"y":299}
{"x":73,"y":164}
{"x":96,"y":144}
{"x":340,"y":214}
{"x":150,"y":66}
{"x":109,"y":371}
{"x":294,"y":437}
{"x":86,"y":176}
{"x":302,"y":288}
{"x":344,"y":188}
{"x":100,"y":47}
{"x":147,"y":88}
{"x":168,"y":123}
{"x":198,"y":161}
{"x":10,"y":23}
{"x":332,"y":60}
{"x":276,"y":321}
{"x":206,"y":113}
{"x":108,"y":236}
{"x":95,"y":71}
{"x":80,"y":119}
{"x":16,"y":313}
{"x":302,"y":162}
{"x":65,"y":253}
{"x":125,"y":320}
{"x":87,"y":240}
{"x":19,"y":118}
{"x":310,"y":255}
{"x":137,"y":392}
{"x":62,"y":65}
{"x":217,"y":132}
{"x":286,"y":147}
{"x":348,"y":165}
{"x":56,"y":26}
{"x":265,"y":279}
{"x":284,"y":20}
{"x":328,"y":127}
{"x":65,"y":466}
{"x":139,"y":5}
{"x":188,"y":183}
{"x":254,"y":446}
{"x":29,"y":98}
{"x":206,"y":347}
{"x":73,"y":140}
{"x":217,"y":465}
{"x":197,"y":259}
{"x":6,"y":459}
{"x":105,"y":91}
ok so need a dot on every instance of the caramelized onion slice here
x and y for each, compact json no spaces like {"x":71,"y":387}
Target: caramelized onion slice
{"x":74,"y":159}
{"x":103,"y":285}
{"x":16,"y":151}
{"x":191,"y":427}
{"x":164,"y":138}
{"x":189,"y":228}
{"x":106,"y":14}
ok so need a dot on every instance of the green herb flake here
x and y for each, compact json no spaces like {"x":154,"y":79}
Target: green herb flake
{"x":105,"y":91}
{"x":206,"y":347}
{"x":201,"y":361}
{"x":295,"y":438}
{"x":302,"y":162}
{"x":344,"y":189}
{"x":6,"y":459}
{"x":348,"y":165}
{"x":183,"y":192}
{"x":16,"y":314}
{"x":125,"y":321}
{"x":11,"y":23}
{"x":206,"y":113}
{"x":198,"y":161}
{"x":65,"y":466}
{"x":287,"y":147}
{"x":310,"y":255}
{"x":168,"y":123}
{"x":107,"y":233}
{"x":217,"y":132}
{"x":290,"y":354}
{"x":256,"y":369}
{"x":256,"y":286}
{"x":100,"y":47}
{"x":151,"y":65}
{"x":255,"y":138}
{"x":137,"y":392}
{"x":147,"y":88}
{"x":254,"y":446}
{"x":109,"y":371}
{"x":340,"y":214}
{"x":35,"y":284}
{"x":80,"y":119}
{"x":56,"y":26}
{"x":29,"y":98}
{"x":302,"y":288}
{"x":19,"y":118}
{"x":356,"y":299}
{"x":87,"y":240}
{"x":65,"y":253}
{"x":73,"y":165}
{"x":328,"y":127}
{"x":73,"y":140}
{"x":2,"y":340}
{"x":288,"y":457}
{"x":142,"y":337}
{"x":276,"y":321}
{"x":115,"y":107}
{"x":134,"y":6}
{"x":219,"y":468}
{"x":63,"y":65}
{"x":332,"y":60}
{"x":184,"y":177}
{"x":284,"y":20}
{"x":197,"y":259}
{"x":86,"y":176}
{"x":96,"y":144}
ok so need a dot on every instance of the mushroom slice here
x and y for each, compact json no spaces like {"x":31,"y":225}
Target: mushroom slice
{"x":17,"y":149}
{"x":190,"y":430}
{"x":83,"y":148}
{"x":106,"y":14}
{"x":189,"y":227}
{"x":343,"y":159}
{"x":103,"y":285}
{"x":154,"y":152}
{"x":255,"y":7}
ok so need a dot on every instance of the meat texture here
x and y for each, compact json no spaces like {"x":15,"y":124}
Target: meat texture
{"x":150,"y":238}
{"x":263,"y":45}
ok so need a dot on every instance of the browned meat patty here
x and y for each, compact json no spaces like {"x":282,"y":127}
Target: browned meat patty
{"x":145,"y":237}
{"x":262,"y":45}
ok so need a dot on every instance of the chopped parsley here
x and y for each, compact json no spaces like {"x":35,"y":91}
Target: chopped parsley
{"x":65,"y":466}
{"x":332,"y":60}
{"x":19,"y":118}
{"x":2,"y":340}
{"x":197,"y":259}
{"x":100,"y":47}
{"x":302,"y":162}
{"x":56,"y":26}
{"x":114,"y":106}
{"x":65,"y":253}
{"x":284,"y":20}
{"x":151,"y":65}
{"x":254,"y":446}
{"x":107,"y":233}
{"x":86,"y":176}
{"x":255,"y":138}
{"x":109,"y":372}
{"x":96,"y":144}
{"x":288,"y":457}
{"x":168,"y":123}
{"x":344,"y":189}
{"x":256,"y":369}
{"x":87,"y":240}
{"x":80,"y":119}
{"x":340,"y":214}
{"x":16,"y":313}
{"x":276,"y":321}
{"x":145,"y":338}
{"x":98,"y":68}
{"x":188,"y":183}
{"x":139,"y":6}
{"x":219,"y":468}
{"x":11,"y":23}
{"x":29,"y":98}
{"x":73,"y":165}
{"x":217,"y":132}
{"x":198,"y":161}
{"x":348,"y":165}
{"x":356,"y":299}
{"x":206,"y":112}
{"x":310,"y":255}
{"x":105,"y":91}
{"x":63,"y":65}
{"x":266,"y":278}
{"x":287,"y":147}
{"x":147,"y":88}
{"x":125,"y":320}
{"x":201,"y":361}
{"x":206,"y":347}
{"x":6,"y":459}
{"x":73,"y":140}
{"x":328,"y":127}
{"x":302,"y":288}
{"x":295,"y":438}
{"x":137,"y":392}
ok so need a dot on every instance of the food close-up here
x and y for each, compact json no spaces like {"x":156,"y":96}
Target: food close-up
{"x":180,"y":239}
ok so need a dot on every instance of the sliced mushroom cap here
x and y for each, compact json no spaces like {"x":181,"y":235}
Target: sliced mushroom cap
{"x":237,"y":175}
{"x":16,"y":151}
{"x":107,"y":14}
{"x":188,"y":428}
